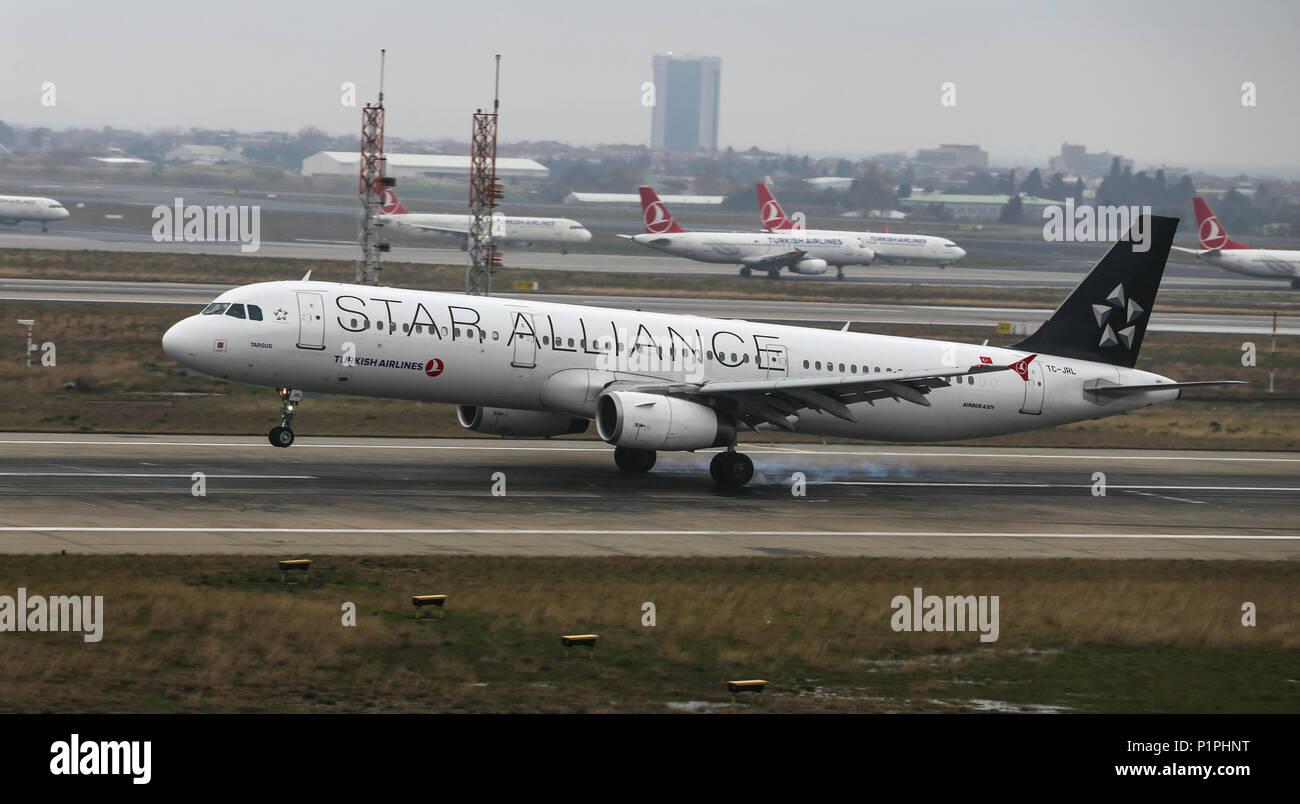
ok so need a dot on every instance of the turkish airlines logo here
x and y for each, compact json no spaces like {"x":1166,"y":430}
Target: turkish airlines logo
{"x":1212,"y":234}
{"x":657,"y":219}
{"x":772,"y":215}
{"x":388,"y":202}
{"x":1022,"y":368}
{"x":433,"y":368}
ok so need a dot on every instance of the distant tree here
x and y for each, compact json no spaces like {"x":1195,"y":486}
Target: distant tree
{"x":1236,"y":213}
{"x":1056,"y":188}
{"x":1008,"y":183}
{"x":904,"y":190}
{"x":7,"y":138}
{"x":1013,"y":211}
{"x":980,"y":183}
{"x":1033,"y":184}
{"x":1078,"y":190}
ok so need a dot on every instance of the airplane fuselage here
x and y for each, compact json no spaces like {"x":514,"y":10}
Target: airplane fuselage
{"x":740,"y":248}
{"x":526,"y":355}
{"x":1271,"y":263}
{"x":16,"y":208}
{"x":897,"y":249}
{"x":504,"y":228}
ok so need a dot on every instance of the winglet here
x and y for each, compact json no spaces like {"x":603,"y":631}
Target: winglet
{"x":307,"y":276}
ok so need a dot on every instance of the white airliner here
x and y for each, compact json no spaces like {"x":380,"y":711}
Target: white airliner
{"x":894,"y":249}
{"x":505,"y":229}
{"x":1223,"y":252}
{"x":801,"y":252}
{"x":653,"y":381}
{"x":15,"y":209}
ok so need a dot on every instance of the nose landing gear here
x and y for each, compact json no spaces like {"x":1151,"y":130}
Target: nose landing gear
{"x":282,"y":436}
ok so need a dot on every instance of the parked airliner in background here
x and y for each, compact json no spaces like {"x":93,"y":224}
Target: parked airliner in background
{"x":15,"y":209}
{"x":894,"y":249}
{"x":1222,"y":251}
{"x":505,"y":229}
{"x":804,"y":253}
{"x":653,"y":381}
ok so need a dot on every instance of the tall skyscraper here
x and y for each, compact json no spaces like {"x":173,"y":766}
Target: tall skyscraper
{"x":686,"y":103}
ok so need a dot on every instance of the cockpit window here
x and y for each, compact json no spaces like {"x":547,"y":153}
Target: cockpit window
{"x":236,"y":311}
{"x":254,"y":312}
{"x":216,"y":308}
{"x":576,"y":226}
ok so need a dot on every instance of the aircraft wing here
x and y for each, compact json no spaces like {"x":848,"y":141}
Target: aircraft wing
{"x":428,"y":227}
{"x":776,"y":401}
{"x":783,"y":258}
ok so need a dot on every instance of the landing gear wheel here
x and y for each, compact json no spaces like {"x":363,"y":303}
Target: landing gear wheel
{"x":774,"y":274}
{"x":746,"y":271}
{"x":44,"y":228}
{"x":1295,"y":284}
{"x":839,"y":272}
{"x":634,"y":460}
{"x":731,"y":469}
{"x":280,"y":437}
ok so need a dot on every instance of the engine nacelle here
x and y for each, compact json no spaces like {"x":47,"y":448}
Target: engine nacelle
{"x":518,"y":423}
{"x":809,"y":267}
{"x":654,"y":421}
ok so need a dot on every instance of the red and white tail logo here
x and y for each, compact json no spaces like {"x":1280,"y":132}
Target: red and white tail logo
{"x":658,"y":220}
{"x":1022,"y":367}
{"x":769,"y":210}
{"x":388,"y":203}
{"x":1209,"y":229}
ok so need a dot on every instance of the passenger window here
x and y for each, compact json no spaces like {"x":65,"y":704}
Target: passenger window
{"x":546,"y":340}
{"x":236,"y":311}
{"x":853,"y":368}
{"x":254,"y":312}
{"x":455,"y":332}
{"x":406,"y":328}
{"x":805,"y":364}
{"x":379,"y":325}
{"x":216,"y":308}
{"x":496,"y":336}
{"x":819,"y":365}
{"x":841,"y":368}
{"x":354,"y":323}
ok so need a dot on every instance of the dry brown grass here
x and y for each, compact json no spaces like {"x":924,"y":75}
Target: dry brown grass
{"x":207,"y":633}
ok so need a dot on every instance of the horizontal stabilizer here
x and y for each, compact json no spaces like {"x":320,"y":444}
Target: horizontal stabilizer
{"x":1107,"y":387}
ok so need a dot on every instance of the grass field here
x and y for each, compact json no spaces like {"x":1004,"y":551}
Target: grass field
{"x":222,"y":634}
{"x":124,"y":383}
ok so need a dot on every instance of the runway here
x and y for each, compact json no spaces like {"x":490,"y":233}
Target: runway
{"x":1019,"y":263}
{"x":91,"y":291}
{"x":135,"y":494}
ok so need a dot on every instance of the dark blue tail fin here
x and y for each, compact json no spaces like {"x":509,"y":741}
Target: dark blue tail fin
{"x":1106,"y":316}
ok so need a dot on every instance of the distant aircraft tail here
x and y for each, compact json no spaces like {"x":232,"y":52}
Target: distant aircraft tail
{"x":658,"y":220}
{"x":1106,"y":316}
{"x":388,"y":203}
{"x":770,"y":212}
{"x":1209,"y":229}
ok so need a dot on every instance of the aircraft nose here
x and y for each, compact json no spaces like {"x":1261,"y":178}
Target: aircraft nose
{"x":63,"y":214}
{"x":178,"y":341}
{"x":961,"y":252}
{"x":586,"y":235}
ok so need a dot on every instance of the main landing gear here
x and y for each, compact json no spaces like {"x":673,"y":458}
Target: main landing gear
{"x":839,"y":272}
{"x":634,"y":460}
{"x":731,"y":469}
{"x":1295,"y":284}
{"x":746,"y":271}
{"x":282,"y":436}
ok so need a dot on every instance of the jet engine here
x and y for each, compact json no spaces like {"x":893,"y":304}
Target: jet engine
{"x":809,"y":267}
{"x":518,"y":423}
{"x":654,"y":422}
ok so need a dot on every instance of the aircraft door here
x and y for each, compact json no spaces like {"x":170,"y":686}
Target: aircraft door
{"x":776,"y":361}
{"x":525,"y":342}
{"x":311,"y":321}
{"x":1034,"y":389}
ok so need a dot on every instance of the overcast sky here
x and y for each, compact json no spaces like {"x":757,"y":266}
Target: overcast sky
{"x":1160,"y":82}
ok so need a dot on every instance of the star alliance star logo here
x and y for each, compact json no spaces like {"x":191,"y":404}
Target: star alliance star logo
{"x":281,"y":314}
{"x":1128,"y":312}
